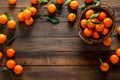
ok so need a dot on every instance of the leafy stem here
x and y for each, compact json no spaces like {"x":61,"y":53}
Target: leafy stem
{"x":9,"y":16}
{"x":100,"y":60}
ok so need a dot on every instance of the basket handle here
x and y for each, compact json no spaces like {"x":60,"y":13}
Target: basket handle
{"x":90,"y":42}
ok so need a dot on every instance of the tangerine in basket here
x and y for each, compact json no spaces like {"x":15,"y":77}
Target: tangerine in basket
{"x":108,"y":22}
{"x":105,"y":31}
{"x":88,"y":32}
{"x":102,"y":16}
{"x":82,"y":23}
{"x":99,"y":27}
{"x":90,"y":24}
{"x":96,"y":35}
{"x":89,"y":13}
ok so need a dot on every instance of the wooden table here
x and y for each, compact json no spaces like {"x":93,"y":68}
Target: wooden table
{"x":55,"y":51}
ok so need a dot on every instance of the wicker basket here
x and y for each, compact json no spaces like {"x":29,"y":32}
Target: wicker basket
{"x":110,"y":13}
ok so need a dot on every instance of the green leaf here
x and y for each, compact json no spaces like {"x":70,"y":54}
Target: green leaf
{"x":83,"y":6}
{"x":96,"y":22}
{"x":100,"y":60}
{"x":94,"y":15}
{"x":67,"y":2}
{"x":9,"y":41}
{"x":86,"y":23}
{"x":43,"y":2}
{"x":97,"y":3}
{"x":38,"y":16}
{"x":96,"y":71}
{"x":59,"y":8}
{"x":52,"y":19}
{"x":9,"y":16}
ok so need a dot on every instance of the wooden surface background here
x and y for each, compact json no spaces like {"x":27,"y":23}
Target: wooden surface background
{"x":55,"y":51}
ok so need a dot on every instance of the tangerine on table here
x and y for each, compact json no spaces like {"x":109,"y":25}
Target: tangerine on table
{"x":34,"y":1}
{"x":107,"y":42}
{"x":1,"y":55}
{"x":114,"y":59}
{"x":118,"y":30}
{"x":82,"y":23}
{"x":12,"y":2}
{"x":21,"y":17}
{"x":88,"y":32}
{"x":10,"y":52}
{"x":3,"y":38}
{"x":29,"y":21}
{"x":102,"y":16}
{"x":71,"y":17}
{"x":118,"y":52}
{"x":10,"y":64}
{"x":11,"y":24}
{"x":96,"y":35}
{"x":51,"y":8}
{"x":89,"y":13}
{"x":105,"y":31}
{"x":27,"y":13}
{"x":3,"y":19}
{"x":99,"y":27}
{"x":104,"y":67}
{"x":74,"y":5}
{"x":18,"y":69}
{"x":33,"y":10}
{"x":88,"y":1}
{"x":90,"y":24}
{"x":108,"y":22}
{"x":60,"y":2}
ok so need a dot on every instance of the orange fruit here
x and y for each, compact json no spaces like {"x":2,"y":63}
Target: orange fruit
{"x":104,"y":67}
{"x":10,"y":64}
{"x":10,"y":52}
{"x":88,"y":32}
{"x":102,"y":16}
{"x":3,"y":38}
{"x":105,"y":31}
{"x":118,"y":52}
{"x":96,"y":35}
{"x":99,"y":27}
{"x":74,"y":5}
{"x":118,"y":30}
{"x":34,"y":1}
{"x":82,"y":23}
{"x":11,"y":24}
{"x":90,"y":24}
{"x":71,"y":17}
{"x":51,"y":8}
{"x":29,"y":21}
{"x":107,"y":42}
{"x":1,"y":55}
{"x":89,"y":13}
{"x":33,"y":10}
{"x":3,"y":19}
{"x":114,"y":59}
{"x":18,"y":69}
{"x":60,"y":2}
{"x":27,"y":13}
{"x":21,"y":17}
{"x":108,"y":22}
{"x":12,"y":1}
{"x":88,"y":1}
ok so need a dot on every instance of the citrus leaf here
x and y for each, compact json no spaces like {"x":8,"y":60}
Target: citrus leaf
{"x":100,"y":60}
{"x":9,"y":16}
{"x":59,"y":8}
{"x":43,"y":2}
{"x":67,"y":2}
{"x":83,"y":6}
{"x":86,"y":23}
{"x":96,"y":22}
{"x":96,"y":71}
{"x":52,"y":19}
{"x":97,"y":3}
{"x":94,"y":15}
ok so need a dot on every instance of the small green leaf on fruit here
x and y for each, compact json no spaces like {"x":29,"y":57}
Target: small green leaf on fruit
{"x":94,"y":15}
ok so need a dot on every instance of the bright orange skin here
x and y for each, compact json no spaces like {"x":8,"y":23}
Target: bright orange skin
{"x":60,"y":2}
{"x":1,"y":55}
{"x":71,"y":17}
{"x":34,"y":2}
{"x":104,"y":67}
{"x":102,"y":16}
{"x":114,"y":59}
{"x":99,"y":27}
{"x":90,"y":24}
{"x":18,"y":69}
{"x":21,"y":17}
{"x":88,"y":32}
{"x":74,"y":5}
{"x":118,"y":52}
{"x":105,"y":31}
{"x":107,"y":42}
{"x":88,"y":1}
{"x":29,"y":21}
{"x":33,"y":10}
{"x":96,"y":35}
{"x":3,"y":19}
{"x":51,"y":8}
{"x":89,"y":13}
{"x":3,"y":38}
{"x":27,"y":14}
{"x":108,"y":22}
{"x":10,"y":64}
{"x":10,"y":52}
{"x":12,"y":2}
{"x":118,"y":30}
{"x":11,"y":24}
{"x":82,"y":23}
